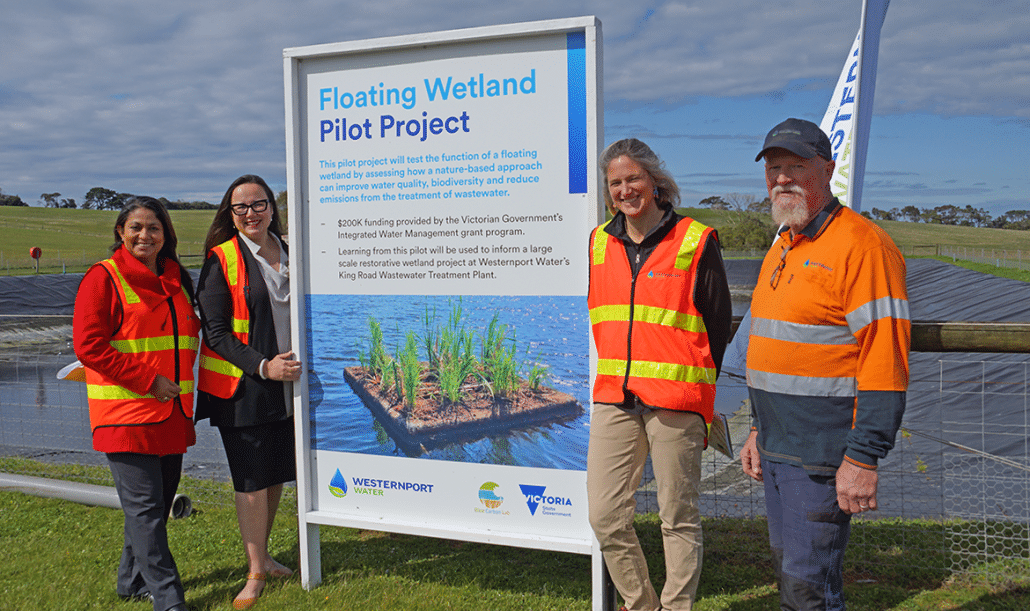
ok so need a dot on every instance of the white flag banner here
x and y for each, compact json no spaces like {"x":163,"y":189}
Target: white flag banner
{"x":851,"y":105}
{"x":850,"y":110}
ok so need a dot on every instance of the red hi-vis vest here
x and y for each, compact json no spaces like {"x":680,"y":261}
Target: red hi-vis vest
{"x":168,"y":343}
{"x":218,"y":376}
{"x":650,"y":337}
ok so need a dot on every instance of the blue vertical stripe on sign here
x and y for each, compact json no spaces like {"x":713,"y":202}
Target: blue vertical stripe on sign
{"x":577,"y":78}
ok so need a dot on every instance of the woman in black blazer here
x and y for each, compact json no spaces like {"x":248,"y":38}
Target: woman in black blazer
{"x":247,"y":367}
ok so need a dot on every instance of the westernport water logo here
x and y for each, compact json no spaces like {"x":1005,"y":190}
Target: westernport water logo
{"x":654,"y":274}
{"x":549,"y":505}
{"x":374,"y":487}
{"x":817,"y":264}
{"x":489,"y":497}
{"x":338,"y":485}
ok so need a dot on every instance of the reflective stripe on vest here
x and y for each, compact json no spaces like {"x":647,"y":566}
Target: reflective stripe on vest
{"x":94,"y":391}
{"x":650,"y":337}
{"x":144,"y":334}
{"x":653,"y":315}
{"x":658,"y":371}
{"x":218,"y":376}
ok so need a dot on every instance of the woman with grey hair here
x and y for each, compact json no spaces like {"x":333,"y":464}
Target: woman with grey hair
{"x":660,"y":311}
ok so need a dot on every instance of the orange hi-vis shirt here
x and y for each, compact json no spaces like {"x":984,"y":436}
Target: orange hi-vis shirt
{"x":651,"y":339}
{"x":827,"y":360}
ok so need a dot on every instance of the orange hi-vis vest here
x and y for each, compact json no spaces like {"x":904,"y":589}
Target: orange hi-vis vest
{"x":649,"y":334}
{"x":147,"y":336}
{"x":218,"y":376}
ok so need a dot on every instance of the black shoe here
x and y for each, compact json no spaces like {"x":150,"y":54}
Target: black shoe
{"x":143,"y":596}
{"x":179,"y":607}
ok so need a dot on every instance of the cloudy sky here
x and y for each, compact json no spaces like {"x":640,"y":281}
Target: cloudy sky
{"x":176,"y":99}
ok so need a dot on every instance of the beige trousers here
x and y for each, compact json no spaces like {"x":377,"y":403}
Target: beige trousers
{"x":619,"y":444}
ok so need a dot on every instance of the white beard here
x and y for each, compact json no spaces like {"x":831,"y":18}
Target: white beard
{"x":790,"y":207}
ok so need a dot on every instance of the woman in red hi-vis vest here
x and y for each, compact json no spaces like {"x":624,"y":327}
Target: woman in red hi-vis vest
{"x":136,"y":334}
{"x":246,"y":365}
{"x":660,"y":313}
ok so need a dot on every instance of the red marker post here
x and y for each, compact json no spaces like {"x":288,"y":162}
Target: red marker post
{"x":36,"y":252}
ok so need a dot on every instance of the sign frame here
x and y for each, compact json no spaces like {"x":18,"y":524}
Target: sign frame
{"x":298,"y":167}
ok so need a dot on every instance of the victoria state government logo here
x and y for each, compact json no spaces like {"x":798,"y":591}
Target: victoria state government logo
{"x":338,"y":485}
{"x":490,"y":499}
{"x":549,"y":505}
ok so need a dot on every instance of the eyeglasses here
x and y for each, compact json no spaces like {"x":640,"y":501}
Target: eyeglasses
{"x":775,"y":280}
{"x":257,"y":206}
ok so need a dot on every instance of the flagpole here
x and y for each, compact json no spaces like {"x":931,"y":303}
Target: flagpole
{"x":870,"y":51}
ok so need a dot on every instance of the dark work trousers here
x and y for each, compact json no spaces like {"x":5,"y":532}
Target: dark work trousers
{"x":146,"y":486}
{"x":809,"y":533}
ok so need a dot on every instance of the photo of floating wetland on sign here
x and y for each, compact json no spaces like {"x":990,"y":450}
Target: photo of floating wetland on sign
{"x":497,"y":380}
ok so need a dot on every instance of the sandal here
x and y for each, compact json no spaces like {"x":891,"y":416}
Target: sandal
{"x":247,"y":603}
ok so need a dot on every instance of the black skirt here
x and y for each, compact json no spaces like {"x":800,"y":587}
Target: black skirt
{"x":260,"y":456}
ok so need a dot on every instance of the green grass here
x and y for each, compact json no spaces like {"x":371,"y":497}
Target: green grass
{"x":58,"y":555}
{"x":914,"y":239}
{"x":994,"y":270}
{"x":79,"y":238}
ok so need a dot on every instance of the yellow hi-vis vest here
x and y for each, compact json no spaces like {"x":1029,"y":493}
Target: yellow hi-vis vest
{"x":649,"y":334}
{"x":218,"y":376}
{"x":168,"y":343}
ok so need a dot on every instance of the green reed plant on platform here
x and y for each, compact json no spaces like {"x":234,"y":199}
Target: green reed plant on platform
{"x":410,"y":368}
{"x":493,"y":339}
{"x":397,"y":387}
{"x":456,"y":365}
{"x":499,"y":359}
{"x":456,"y":358}
{"x":378,"y":358}
{"x":431,"y":338}
{"x":380,"y":363}
{"x":538,"y":373}
{"x":450,"y":352}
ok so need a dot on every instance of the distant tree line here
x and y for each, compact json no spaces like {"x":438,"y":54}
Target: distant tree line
{"x":10,"y":200}
{"x":748,"y":225}
{"x":953,"y":215}
{"x":99,"y":198}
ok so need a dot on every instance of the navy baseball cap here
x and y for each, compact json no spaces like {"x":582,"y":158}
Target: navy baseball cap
{"x":803,"y":138}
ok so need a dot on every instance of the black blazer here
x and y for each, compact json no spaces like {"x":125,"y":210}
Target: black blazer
{"x":257,"y":401}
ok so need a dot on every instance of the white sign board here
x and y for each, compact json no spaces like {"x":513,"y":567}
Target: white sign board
{"x":442,"y":188}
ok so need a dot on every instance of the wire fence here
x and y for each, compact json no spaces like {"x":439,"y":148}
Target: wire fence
{"x":1010,"y":258}
{"x":60,"y":261}
{"x":46,"y":420}
{"x":1015,"y":259}
{"x":956,"y":487}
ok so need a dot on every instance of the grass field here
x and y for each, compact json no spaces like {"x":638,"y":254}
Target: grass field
{"x":74,"y":239}
{"x":59,"y":555}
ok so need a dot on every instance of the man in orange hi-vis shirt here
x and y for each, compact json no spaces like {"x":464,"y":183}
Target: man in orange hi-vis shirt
{"x":827,"y":367}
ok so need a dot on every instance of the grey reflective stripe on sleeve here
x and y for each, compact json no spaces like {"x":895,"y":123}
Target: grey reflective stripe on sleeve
{"x":798,"y":333}
{"x":884,"y":307}
{"x":801,"y":385}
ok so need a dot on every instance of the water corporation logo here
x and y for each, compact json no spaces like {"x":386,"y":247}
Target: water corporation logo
{"x":817,"y":264}
{"x":489,"y":497}
{"x":549,"y":505}
{"x":375,"y":487}
{"x":338,"y":485}
{"x":654,"y":274}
